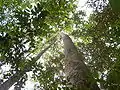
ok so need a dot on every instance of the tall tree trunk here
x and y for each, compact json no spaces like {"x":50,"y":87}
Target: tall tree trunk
{"x":76,"y":70}
{"x":7,"y":84}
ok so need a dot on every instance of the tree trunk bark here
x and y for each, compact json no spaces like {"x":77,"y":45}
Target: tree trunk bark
{"x":7,"y":84}
{"x":76,"y":70}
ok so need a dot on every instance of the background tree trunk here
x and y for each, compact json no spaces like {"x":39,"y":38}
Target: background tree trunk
{"x":7,"y":84}
{"x":76,"y":71}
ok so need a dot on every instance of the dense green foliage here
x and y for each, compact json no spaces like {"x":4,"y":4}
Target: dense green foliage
{"x":27,"y":27}
{"x":115,"y":4}
{"x":100,"y":44}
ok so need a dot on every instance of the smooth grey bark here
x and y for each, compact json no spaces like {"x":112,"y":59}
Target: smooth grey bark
{"x":76,"y":70}
{"x":7,"y":84}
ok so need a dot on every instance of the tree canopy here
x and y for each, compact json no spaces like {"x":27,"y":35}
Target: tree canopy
{"x":30,"y":42}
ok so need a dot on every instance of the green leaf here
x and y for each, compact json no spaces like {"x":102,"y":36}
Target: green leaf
{"x":115,"y":4}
